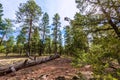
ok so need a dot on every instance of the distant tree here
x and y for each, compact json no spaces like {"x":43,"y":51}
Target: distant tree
{"x":45,"y":27}
{"x":1,"y":14}
{"x":6,"y":29}
{"x":29,"y":14}
{"x":21,"y":40}
{"x":57,"y":25}
{"x":35,"y":41}
{"x":40,"y":47}
{"x":60,"y":42}
{"x":48,"y":46}
{"x":68,"y":40}
{"x":9,"y":45}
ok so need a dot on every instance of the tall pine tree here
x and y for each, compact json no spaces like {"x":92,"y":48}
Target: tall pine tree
{"x":29,"y":14}
{"x":56,"y":24}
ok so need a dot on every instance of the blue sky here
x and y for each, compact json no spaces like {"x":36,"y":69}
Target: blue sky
{"x":63,"y":7}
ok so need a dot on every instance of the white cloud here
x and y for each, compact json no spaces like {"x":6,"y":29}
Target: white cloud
{"x":67,"y":9}
{"x":10,"y":7}
{"x":63,"y":7}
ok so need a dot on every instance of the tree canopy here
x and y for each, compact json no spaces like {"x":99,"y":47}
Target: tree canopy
{"x":29,"y":14}
{"x":105,"y":11}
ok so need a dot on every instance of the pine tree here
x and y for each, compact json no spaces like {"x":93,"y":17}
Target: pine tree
{"x":56,"y":24}
{"x":45,"y":27}
{"x":21,"y":41}
{"x":35,"y":41}
{"x":29,"y":14}
{"x":105,"y":11}
{"x":9,"y":45}
{"x":68,"y":40}
{"x":48,"y":45}
{"x":60,"y":42}
{"x":1,"y":14}
{"x":6,"y":29}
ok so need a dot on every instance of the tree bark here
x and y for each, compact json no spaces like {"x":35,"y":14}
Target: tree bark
{"x":29,"y":38}
{"x":115,"y":28}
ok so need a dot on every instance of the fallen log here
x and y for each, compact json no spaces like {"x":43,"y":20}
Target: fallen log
{"x":27,"y":63}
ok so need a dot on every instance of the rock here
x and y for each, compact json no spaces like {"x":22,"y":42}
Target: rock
{"x":13,"y":74}
{"x":31,"y":79}
{"x":43,"y":77}
{"x":75,"y":78}
{"x":60,"y":78}
{"x":67,"y":71}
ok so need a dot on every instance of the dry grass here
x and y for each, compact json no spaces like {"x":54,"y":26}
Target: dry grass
{"x":53,"y":69}
{"x":10,"y":61}
{"x":12,"y":58}
{"x":10,"y":54}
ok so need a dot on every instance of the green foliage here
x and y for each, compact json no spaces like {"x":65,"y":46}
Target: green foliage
{"x":29,"y":14}
{"x":57,"y":25}
{"x":79,"y":35}
{"x":9,"y":45}
{"x":68,"y":40}
{"x":2,"y":48}
{"x":21,"y":39}
{"x":60,"y":42}
{"x":105,"y":77}
{"x":35,"y":41}
{"x":45,"y":28}
{"x":6,"y":29}
{"x":48,"y":45}
{"x":27,"y":11}
{"x":108,"y":12}
{"x":79,"y":58}
{"x":1,"y":14}
{"x":104,"y":50}
{"x":100,"y":59}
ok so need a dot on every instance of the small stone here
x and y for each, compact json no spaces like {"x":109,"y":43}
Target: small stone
{"x":67,"y":71}
{"x":44,"y":77}
{"x":13,"y":74}
{"x":32,"y":79}
{"x":75,"y":78}
{"x":60,"y":78}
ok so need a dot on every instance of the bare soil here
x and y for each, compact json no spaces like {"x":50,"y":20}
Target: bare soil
{"x":45,"y":71}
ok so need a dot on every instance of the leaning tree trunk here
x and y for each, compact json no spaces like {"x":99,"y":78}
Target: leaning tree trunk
{"x":27,"y":63}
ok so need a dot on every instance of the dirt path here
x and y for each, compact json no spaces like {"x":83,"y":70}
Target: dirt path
{"x":45,"y":71}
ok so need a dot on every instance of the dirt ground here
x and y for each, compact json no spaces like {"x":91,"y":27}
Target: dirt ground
{"x":45,"y":71}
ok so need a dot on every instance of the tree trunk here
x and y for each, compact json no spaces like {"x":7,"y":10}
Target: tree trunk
{"x":115,"y":28}
{"x":29,"y":38}
{"x":27,"y":63}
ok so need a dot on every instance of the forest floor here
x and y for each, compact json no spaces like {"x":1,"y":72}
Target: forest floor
{"x":48,"y":71}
